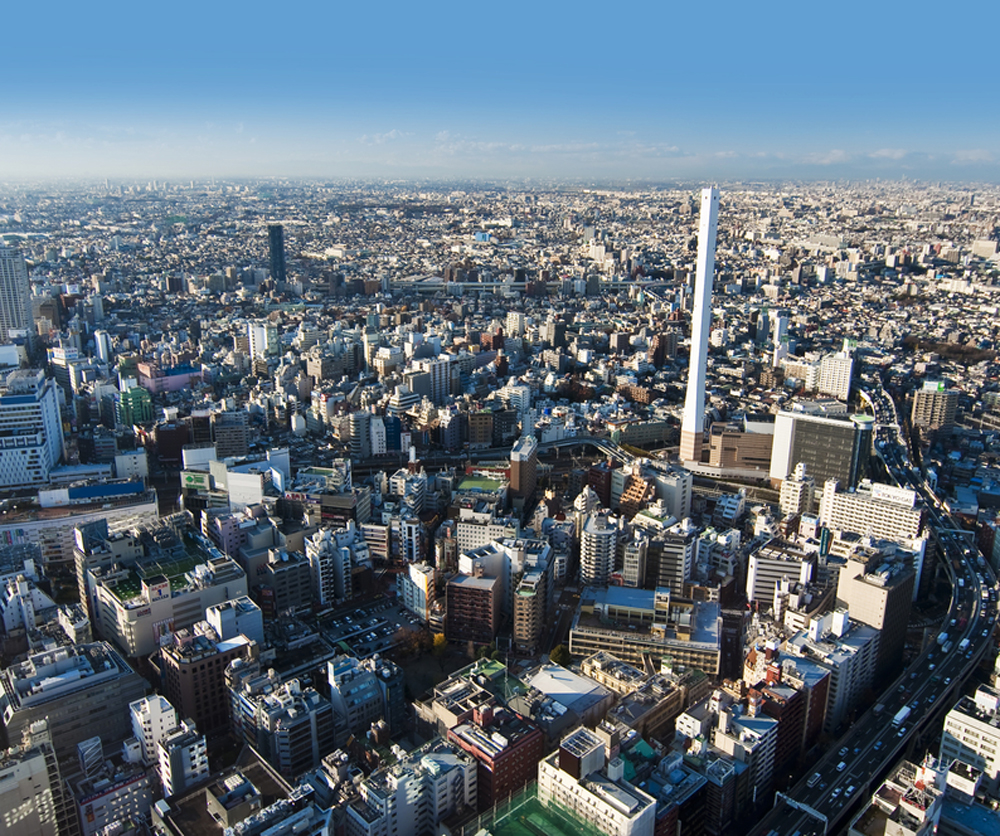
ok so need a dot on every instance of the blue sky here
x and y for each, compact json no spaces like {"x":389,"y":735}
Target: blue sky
{"x":645,"y":91}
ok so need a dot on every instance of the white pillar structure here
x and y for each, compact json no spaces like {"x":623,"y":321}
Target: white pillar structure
{"x":693,"y":426}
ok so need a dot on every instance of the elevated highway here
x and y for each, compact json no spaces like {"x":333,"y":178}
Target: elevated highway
{"x":861,"y":758}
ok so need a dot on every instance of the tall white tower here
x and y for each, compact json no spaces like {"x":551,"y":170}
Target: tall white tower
{"x":693,"y":427}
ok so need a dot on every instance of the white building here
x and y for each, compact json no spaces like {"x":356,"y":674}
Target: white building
{"x":693,"y":425}
{"x":835,"y":375}
{"x":237,"y":617}
{"x":770,"y":564}
{"x":415,"y":795}
{"x":31,"y":441}
{"x":972,"y":734}
{"x":183,"y":760}
{"x":579,"y":777}
{"x":798,"y":492}
{"x":152,"y":718}
{"x":416,"y":589}
{"x":850,"y":651}
{"x":598,"y":543}
{"x":873,"y":509}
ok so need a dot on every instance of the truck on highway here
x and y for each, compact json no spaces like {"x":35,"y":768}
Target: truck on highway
{"x":964,"y":643}
{"x":901,"y":715}
{"x":942,"y":638}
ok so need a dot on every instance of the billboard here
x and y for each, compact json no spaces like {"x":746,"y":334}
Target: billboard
{"x":195,"y":480}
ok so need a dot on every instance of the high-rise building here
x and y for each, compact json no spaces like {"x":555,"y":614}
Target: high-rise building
{"x":835,"y":375}
{"x":15,"y":298}
{"x":872,"y":509}
{"x":152,"y":718}
{"x":102,"y":346}
{"x":183,"y":759}
{"x":693,"y":426}
{"x":473,"y":608}
{"x":231,"y":434}
{"x":363,"y":692}
{"x":31,"y":441}
{"x":192,"y":669}
{"x":524,"y":467}
{"x":772,"y":562}
{"x":879,"y":593}
{"x":294,"y":727}
{"x":433,"y":783}
{"x":798,"y":492}
{"x":598,"y":545}
{"x":276,"y":246}
{"x":361,"y":438}
{"x":831,"y":448}
{"x":934,"y":406}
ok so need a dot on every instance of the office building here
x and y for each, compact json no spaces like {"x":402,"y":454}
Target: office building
{"x":152,"y":718}
{"x":835,"y":375}
{"x":507,"y":748}
{"x":33,"y":798}
{"x":192,"y":673}
{"x":115,"y":789}
{"x":750,"y":738}
{"x":432,"y":784}
{"x":634,"y":623}
{"x":972,"y":735}
{"x":850,"y":650}
{"x":693,"y":425}
{"x":237,"y":617}
{"x":276,"y":250}
{"x":671,"y":554}
{"x":879,"y":592}
{"x":580,"y":777}
{"x":16,"y":321}
{"x":31,"y":441}
{"x":772,"y":562}
{"x":873,"y":509}
{"x":183,"y":760}
{"x":830,"y":448}
{"x":82,"y":691}
{"x":294,"y":728}
{"x":415,"y":589}
{"x":530,"y":610}
{"x":231,"y":434}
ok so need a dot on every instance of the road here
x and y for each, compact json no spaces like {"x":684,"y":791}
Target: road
{"x":847,"y":774}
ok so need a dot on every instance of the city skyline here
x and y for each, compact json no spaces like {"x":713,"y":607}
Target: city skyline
{"x":646,"y":93}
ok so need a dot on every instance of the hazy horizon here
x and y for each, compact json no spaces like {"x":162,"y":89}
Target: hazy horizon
{"x":636,"y":92}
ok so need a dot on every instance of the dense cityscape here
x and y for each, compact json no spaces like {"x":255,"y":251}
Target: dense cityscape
{"x":385,"y":508}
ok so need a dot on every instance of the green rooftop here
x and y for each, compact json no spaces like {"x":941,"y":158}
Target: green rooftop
{"x":479,"y":483}
{"x":173,"y":565}
{"x":524,"y":815}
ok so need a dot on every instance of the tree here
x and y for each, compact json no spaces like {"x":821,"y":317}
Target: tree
{"x":440,"y":644}
{"x":560,"y":655}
